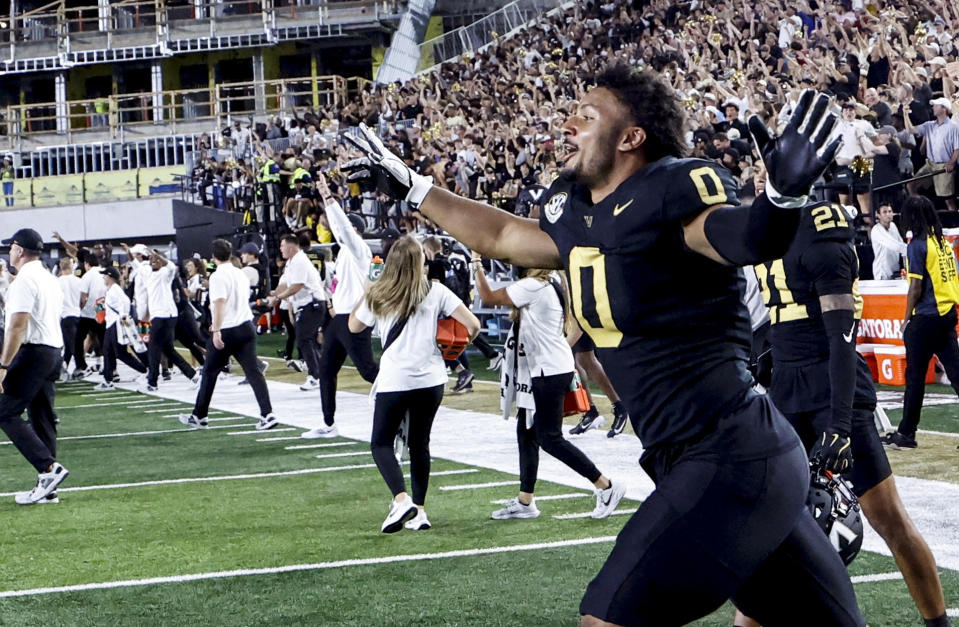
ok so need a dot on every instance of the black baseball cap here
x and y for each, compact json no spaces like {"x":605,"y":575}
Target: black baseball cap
{"x":28,"y":239}
{"x":111,"y":272}
{"x":250,"y":249}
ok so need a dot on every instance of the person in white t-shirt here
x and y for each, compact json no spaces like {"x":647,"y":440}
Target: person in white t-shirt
{"x":92,"y":290}
{"x":117,"y":305}
{"x":70,"y":315}
{"x":540,"y":303}
{"x":404,"y":308}
{"x":888,"y":247}
{"x":162,"y":313}
{"x":30,"y":364}
{"x":232,"y":334}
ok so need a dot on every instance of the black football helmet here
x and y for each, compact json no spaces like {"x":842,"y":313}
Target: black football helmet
{"x":836,"y":509}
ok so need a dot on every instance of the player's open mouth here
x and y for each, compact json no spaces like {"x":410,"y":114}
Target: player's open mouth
{"x":566,"y":151}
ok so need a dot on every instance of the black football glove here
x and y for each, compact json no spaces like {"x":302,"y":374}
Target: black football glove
{"x":384,"y":169}
{"x":832,"y":452}
{"x":792,"y":160}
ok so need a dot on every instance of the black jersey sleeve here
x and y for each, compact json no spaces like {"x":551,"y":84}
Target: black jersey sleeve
{"x":693,"y":185}
{"x":832,"y":267}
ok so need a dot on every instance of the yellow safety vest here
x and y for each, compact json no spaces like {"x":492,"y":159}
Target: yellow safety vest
{"x":266,"y":176}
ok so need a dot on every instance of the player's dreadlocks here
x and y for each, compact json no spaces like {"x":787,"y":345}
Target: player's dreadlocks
{"x":919,"y":215}
{"x":653,"y":106}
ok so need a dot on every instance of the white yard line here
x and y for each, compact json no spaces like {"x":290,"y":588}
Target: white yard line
{"x":117,"y":404}
{"x":351,"y":454}
{"x":444,"y":473}
{"x":877,"y":577}
{"x":285,"y":438}
{"x":163,"y":409}
{"x":298,"y":447}
{"x":552,"y":497}
{"x":128,"y":434}
{"x":619,"y":512}
{"x":942,"y":433}
{"x":479,"y":486}
{"x":253,"y":431}
{"x":248,"y":572}
{"x":261,"y":475}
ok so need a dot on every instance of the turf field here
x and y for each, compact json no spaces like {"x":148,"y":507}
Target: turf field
{"x":159,"y":524}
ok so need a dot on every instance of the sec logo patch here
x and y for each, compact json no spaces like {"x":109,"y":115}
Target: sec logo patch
{"x":554,"y":207}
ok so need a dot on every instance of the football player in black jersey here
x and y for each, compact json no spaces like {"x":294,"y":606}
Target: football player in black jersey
{"x":824,"y":388}
{"x":651,"y":243}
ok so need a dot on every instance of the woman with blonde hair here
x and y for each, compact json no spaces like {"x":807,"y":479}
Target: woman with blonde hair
{"x":404,"y":307}
{"x":541,"y":318}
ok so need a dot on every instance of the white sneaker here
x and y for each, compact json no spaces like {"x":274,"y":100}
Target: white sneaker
{"x":310,"y":384}
{"x":47,"y":482}
{"x":400,"y":512}
{"x":23,"y":498}
{"x":146,"y":388}
{"x":321,"y":432}
{"x":496,"y":362}
{"x":515,"y":509}
{"x":607,"y":500}
{"x":266,"y":423}
{"x":419,"y":522}
{"x":195,"y":381}
{"x":192,"y":421}
{"x":103,"y":385}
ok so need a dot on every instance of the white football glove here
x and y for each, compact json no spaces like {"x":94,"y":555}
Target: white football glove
{"x":384,"y":169}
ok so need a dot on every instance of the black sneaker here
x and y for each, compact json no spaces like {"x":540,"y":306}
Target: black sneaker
{"x":898,"y":441}
{"x":620,"y":416}
{"x":592,"y":419}
{"x":167,"y":376}
{"x":464,"y":382}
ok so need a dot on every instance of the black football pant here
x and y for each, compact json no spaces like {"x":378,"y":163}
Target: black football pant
{"x":87,"y":326}
{"x":338,"y":342}
{"x":718,"y":527}
{"x":924,"y":337}
{"x":161,"y":345}
{"x":29,"y":385}
{"x":390,"y":410}
{"x":238,"y":342}
{"x":547,"y":433}
{"x":113,"y":350}
{"x":309,"y":319}
{"x":188,"y":334}
{"x":68,"y":326}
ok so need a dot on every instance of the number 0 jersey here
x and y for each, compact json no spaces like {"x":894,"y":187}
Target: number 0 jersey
{"x":669,"y":324}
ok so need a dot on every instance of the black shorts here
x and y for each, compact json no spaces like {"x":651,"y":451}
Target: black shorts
{"x":716,"y":528}
{"x":584,"y":344}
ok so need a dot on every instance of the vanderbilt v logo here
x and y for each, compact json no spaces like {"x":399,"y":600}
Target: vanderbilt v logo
{"x":621,"y":208}
{"x":589,"y":221}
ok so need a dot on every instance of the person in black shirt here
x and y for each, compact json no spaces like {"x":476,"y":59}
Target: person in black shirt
{"x":824,"y":387}
{"x":886,"y":168}
{"x":652,"y":244}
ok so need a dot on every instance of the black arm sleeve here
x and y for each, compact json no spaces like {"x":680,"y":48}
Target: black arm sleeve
{"x":747,"y":235}
{"x":841,"y":330}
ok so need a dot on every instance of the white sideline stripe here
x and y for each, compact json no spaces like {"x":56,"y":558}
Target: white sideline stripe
{"x":110,"y":395}
{"x":877,"y":577}
{"x":477,"y":486}
{"x":552,"y":497}
{"x":118,"y":404}
{"x":284,"y":438}
{"x":123,"y":435}
{"x":298,"y":447}
{"x":443,"y":473}
{"x":352,"y":454}
{"x":209,"y":413}
{"x":255,"y":431}
{"x":942,"y":433}
{"x":619,"y":512}
{"x":227,"y":418}
{"x":262,"y":475}
{"x":247,"y":572}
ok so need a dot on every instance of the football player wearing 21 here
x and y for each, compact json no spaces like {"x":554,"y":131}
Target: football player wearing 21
{"x":652,"y":244}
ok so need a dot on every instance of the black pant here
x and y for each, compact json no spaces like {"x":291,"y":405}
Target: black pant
{"x":391,"y":407}
{"x":338,"y":342}
{"x":113,"y":350}
{"x":239,"y":342}
{"x":484,"y":346}
{"x":188,"y":334}
{"x":309,"y":320}
{"x":87,"y":326}
{"x":290,"y":327}
{"x":161,"y":343}
{"x":547,"y":433}
{"x":68,"y":326}
{"x":29,"y":385}
{"x":924,"y":337}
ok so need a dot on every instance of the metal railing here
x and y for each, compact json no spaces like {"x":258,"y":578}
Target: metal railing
{"x":178,"y":110}
{"x":483,"y":32}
